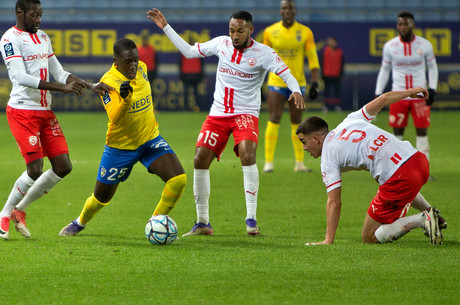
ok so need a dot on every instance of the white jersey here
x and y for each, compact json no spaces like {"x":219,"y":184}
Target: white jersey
{"x":240,"y":75}
{"x":408,"y":62}
{"x":29,"y":58}
{"x":356,"y":144}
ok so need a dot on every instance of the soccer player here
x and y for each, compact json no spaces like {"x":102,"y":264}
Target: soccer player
{"x":407,"y":57}
{"x":400,"y":169}
{"x":243,"y":64}
{"x":292,"y":41}
{"x":30,"y":60}
{"x":132,"y":136}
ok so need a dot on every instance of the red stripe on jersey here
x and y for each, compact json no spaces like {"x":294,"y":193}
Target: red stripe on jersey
{"x":409,"y":49}
{"x":240,"y":55}
{"x":50,"y":55}
{"x":33,"y":38}
{"x":396,"y":158}
{"x":225,"y":100}
{"x":43,"y":77}
{"x":199,"y":50}
{"x":364,"y":114}
{"x":235,"y":53}
{"x":411,"y":81}
{"x":230,"y":101}
{"x":282,"y":71}
{"x":340,"y":181}
{"x":13,"y":57}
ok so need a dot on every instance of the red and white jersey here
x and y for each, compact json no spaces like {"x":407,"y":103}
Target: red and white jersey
{"x":408,"y":62}
{"x":31,"y":53}
{"x":240,"y":75}
{"x":356,"y":144}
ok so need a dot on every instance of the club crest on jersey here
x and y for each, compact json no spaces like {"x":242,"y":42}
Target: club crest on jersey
{"x":299,"y":36}
{"x":45,"y":38}
{"x":106,"y":98}
{"x":33,"y":140}
{"x":252,"y":62}
{"x":278,"y":59}
{"x":9,"y":51}
{"x":103,"y":171}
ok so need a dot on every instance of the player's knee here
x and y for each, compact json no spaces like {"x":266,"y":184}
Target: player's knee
{"x":178,"y":182}
{"x":63,"y":171}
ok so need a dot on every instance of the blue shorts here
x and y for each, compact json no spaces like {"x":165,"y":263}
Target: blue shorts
{"x":285,"y":91}
{"x":117,"y":164}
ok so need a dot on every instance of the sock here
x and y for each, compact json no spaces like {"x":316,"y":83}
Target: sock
{"x":423,"y":146}
{"x":91,"y":207}
{"x":400,"y":137}
{"x":391,"y":232}
{"x":420,"y":203}
{"x":271,"y":138}
{"x":296,"y":144}
{"x":201,"y":192}
{"x":172,"y":191}
{"x":20,"y":188}
{"x":251,"y":189}
{"x":41,"y":186}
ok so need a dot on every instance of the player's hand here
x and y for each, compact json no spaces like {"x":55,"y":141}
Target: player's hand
{"x":314,"y":90}
{"x":430,"y":100}
{"x":419,"y":92}
{"x":100,"y":88}
{"x":125,"y":89}
{"x":317,"y":243}
{"x":73,"y":87}
{"x":156,"y":16}
{"x":297,"y":99}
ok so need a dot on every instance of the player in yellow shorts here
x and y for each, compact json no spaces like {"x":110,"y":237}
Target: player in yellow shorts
{"x":132,"y":136}
{"x":293,"y":42}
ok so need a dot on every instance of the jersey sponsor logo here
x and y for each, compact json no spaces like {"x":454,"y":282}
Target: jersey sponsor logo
{"x":9,"y":51}
{"x":36,"y":56}
{"x":141,"y":104}
{"x":161,"y":143}
{"x":232,"y":72}
{"x":33,"y":140}
{"x":252,"y":62}
{"x":106,"y":98}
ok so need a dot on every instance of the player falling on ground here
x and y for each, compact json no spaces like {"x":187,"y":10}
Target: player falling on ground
{"x":407,"y":58}
{"x":132,"y":136}
{"x":401,"y":171}
{"x":243,"y":64}
{"x":30,"y":60}
{"x":293,"y":42}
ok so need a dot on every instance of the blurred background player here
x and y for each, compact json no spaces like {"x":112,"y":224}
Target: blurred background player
{"x":407,"y":57}
{"x":292,"y":41}
{"x":332,"y":63}
{"x":191,"y":75}
{"x":30,"y":60}
{"x":148,"y":56}
{"x":132,"y":136}
{"x":401,"y":171}
{"x":243,"y":64}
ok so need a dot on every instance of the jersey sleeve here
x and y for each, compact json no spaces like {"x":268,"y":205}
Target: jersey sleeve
{"x":432,"y":66}
{"x":114,"y":104}
{"x":210,"y":47}
{"x":385,"y":70}
{"x":310,"y":50}
{"x":330,"y":169}
{"x":275,"y":64}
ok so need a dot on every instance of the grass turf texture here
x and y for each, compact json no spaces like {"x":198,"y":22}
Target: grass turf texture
{"x":112,"y":261}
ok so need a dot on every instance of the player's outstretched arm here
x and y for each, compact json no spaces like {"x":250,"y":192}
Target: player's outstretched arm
{"x":157,"y":16}
{"x":388,"y":98}
{"x":99,"y":88}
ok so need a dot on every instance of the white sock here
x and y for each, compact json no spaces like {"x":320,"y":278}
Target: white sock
{"x":20,"y":188}
{"x":423,"y":146}
{"x":41,"y":186}
{"x":201,"y":192}
{"x":391,"y":232}
{"x":420,"y":203}
{"x":251,"y":189}
{"x":400,"y":137}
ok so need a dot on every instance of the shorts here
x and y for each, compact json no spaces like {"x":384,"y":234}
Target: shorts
{"x":394,"y":197}
{"x":216,"y":130}
{"x":37,"y":133}
{"x":399,"y":113}
{"x":116,"y":164}
{"x":286,"y":91}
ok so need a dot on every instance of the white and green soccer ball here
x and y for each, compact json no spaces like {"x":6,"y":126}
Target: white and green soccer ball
{"x":161,"y":230}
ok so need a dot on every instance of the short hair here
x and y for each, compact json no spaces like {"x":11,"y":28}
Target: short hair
{"x":122,"y":45}
{"x":406,"y":14}
{"x":242,"y":15}
{"x":24,"y":4}
{"x":312,"y":124}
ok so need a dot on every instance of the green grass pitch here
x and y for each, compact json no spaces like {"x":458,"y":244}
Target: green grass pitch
{"x":112,"y":262}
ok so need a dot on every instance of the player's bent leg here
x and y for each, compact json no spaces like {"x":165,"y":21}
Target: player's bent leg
{"x":172,"y":191}
{"x":369,"y":228}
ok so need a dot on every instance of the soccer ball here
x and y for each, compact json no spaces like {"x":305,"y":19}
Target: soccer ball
{"x":161,"y":230}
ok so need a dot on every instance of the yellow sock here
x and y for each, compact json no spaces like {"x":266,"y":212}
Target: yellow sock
{"x":173,"y":190}
{"x":271,"y":138}
{"x":296,"y":144}
{"x":92,"y":206}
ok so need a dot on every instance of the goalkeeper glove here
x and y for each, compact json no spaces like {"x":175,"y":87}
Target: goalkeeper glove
{"x":125,"y":89}
{"x":314,"y":90}
{"x":430,"y":99}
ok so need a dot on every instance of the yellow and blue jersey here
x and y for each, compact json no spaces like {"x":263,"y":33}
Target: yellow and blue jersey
{"x":138,"y":125}
{"x":292,"y":45}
